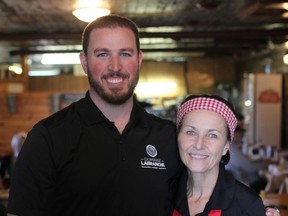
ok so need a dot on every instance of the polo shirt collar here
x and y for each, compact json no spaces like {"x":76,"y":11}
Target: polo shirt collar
{"x":225,"y":187}
{"x":91,"y":114}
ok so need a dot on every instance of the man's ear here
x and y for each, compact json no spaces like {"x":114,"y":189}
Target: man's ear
{"x":83,"y":61}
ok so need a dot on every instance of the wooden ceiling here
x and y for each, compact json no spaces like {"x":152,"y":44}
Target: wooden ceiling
{"x":171,"y":28}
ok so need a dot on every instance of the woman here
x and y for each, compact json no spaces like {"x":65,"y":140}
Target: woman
{"x":206,"y":126}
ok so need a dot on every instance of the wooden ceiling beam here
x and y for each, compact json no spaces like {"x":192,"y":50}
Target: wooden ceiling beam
{"x":247,"y":34}
{"x":227,"y":50}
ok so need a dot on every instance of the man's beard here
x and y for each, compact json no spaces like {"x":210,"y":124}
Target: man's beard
{"x":116,"y":97}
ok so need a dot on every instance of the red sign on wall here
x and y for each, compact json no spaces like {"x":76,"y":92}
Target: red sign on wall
{"x":269,"y":96}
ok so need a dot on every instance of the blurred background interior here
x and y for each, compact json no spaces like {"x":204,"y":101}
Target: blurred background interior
{"x":237,"y":49}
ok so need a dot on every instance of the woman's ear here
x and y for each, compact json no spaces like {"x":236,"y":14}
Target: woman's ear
{"x":226,"y":148}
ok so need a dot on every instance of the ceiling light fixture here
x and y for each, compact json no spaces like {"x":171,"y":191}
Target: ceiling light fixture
{"x":155,"y":89}
{"x":60,"y":58}
{"x":88,"y":14}
{"x":285,"y":59}
{"x":47,"y":72}
{"x":17,"y":69}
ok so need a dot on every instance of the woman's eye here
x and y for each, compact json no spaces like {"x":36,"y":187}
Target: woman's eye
{"x":190,"y":132}
{"x":213,"y":136}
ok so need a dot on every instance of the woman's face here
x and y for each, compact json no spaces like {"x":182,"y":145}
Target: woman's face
{"x":202,"y":140}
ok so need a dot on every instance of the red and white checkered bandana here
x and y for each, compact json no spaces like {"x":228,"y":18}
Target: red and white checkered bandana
{"x":204,"y":103}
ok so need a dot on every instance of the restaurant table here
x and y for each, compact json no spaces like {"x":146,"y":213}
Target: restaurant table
{"x":278,"y":200}
{"x":4,"y":195}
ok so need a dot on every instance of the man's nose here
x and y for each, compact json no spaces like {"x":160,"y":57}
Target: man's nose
{"x":115,"y":63}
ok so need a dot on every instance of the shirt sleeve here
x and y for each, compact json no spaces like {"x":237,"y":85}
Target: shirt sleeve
{"x":33,"y":178}
{"x":256,"y":208}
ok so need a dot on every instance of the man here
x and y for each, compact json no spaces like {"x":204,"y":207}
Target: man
{"x":103,"y":155}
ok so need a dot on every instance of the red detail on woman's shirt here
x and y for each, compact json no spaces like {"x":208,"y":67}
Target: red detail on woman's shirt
{"x":211,"y":213}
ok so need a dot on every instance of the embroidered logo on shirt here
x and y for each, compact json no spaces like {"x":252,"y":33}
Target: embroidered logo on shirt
{"x":151,"y":150}
{"x":152,"y":162}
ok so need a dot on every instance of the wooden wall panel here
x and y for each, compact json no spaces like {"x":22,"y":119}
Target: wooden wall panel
{"x":204,"y":73}
{"x":59,"y":83}
{"x":152,"y":71}
{"x":31,"y":107}
{"x":200,"y":76}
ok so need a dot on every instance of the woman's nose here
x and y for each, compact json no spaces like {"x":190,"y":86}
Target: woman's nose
{"x":199,"y":142}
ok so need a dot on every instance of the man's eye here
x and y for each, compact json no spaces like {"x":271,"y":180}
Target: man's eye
{"x":101,"y":54}
{"x":126,"y":54}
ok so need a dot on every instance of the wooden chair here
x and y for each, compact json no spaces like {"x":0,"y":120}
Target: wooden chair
{"x":278,"y":200}
{"x":284,"y":186}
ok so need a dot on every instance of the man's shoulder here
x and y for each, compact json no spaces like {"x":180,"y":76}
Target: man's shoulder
{"x":160,"y":121}
{"x":67,"y":115}
{"x":151,"y":118}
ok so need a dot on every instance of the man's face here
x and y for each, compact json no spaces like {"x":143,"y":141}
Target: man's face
{"x":112,"y":63}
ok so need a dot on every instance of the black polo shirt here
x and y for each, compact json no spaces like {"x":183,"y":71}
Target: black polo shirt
{"x":76,"y":162}
{"x":229,"y":195}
